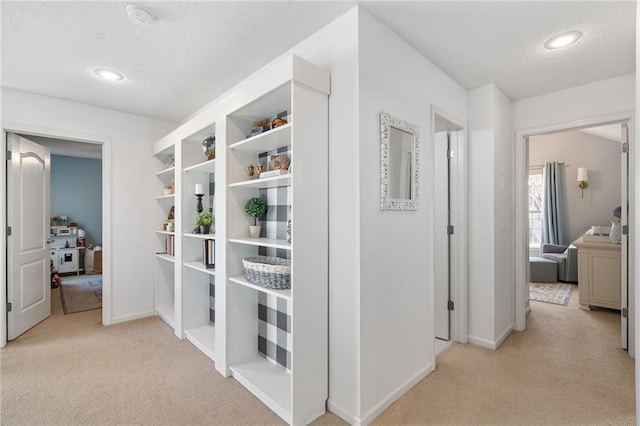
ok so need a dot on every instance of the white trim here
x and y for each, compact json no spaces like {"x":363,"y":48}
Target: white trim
{"x":521,"y":240}
{"x":458,"y":279}
{"x":495,"y":344}
{"x":125,"y":318}
{"x":343,"y":414}
{"x":393,"y":396}
{"x":27,"y":129}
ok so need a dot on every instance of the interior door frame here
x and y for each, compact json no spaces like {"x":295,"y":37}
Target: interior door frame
{"x":25,"y":129}
{"x":458,"y":327}
{"x":521,"y":231}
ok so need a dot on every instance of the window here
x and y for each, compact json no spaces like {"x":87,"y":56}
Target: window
{"x":535,"y":207}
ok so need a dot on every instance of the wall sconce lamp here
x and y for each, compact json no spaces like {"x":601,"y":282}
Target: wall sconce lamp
{"x":583,"y":178}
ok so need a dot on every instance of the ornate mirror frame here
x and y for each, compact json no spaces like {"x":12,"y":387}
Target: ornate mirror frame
{"x":387,"y":122}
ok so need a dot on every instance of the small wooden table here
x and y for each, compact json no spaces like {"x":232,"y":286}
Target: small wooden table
{"x":598,"y":273}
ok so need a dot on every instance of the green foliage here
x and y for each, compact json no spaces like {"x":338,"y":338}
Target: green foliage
{"x":205,"y":219}
{"x":255,"y":208}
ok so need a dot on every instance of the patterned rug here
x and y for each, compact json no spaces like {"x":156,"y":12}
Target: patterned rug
{"x":81,"y":294}
{"x":556,"y":293}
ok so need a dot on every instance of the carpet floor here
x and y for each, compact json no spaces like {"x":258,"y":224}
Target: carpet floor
{"x":567,"y":368}
{"x":79,"y":294}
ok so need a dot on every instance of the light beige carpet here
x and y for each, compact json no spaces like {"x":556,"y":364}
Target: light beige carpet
{"x":70,"y":370}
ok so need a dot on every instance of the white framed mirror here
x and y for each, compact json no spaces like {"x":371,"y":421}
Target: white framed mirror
{"x":399,"y":163}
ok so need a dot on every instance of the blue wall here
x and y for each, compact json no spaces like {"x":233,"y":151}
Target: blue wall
{"x":76,"y":191}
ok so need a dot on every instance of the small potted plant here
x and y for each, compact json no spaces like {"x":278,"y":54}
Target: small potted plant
{"x":205,"y":220}
{"x":255,"y":208}
{"x":211,"y":153}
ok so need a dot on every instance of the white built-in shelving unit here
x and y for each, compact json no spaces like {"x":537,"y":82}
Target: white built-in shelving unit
{"x":296,"y":391}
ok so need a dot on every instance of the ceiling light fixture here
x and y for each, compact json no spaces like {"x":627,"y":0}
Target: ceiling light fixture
{"x":139,"y":14}
{"x":108,"y":74}
{"x":562,"y":40}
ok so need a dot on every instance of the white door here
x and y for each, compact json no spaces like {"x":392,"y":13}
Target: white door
{"x":441,"y":237}
{"x":28,"y":258}
{"x":624,"y":276}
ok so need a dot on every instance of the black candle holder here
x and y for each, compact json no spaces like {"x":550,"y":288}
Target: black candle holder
{"x":199,"y":207}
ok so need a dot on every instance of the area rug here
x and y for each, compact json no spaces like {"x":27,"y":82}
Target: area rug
{"x":81,"y":294}
{"x":556,"y":293}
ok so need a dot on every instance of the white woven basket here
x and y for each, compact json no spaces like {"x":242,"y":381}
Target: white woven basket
{"x":269,"y":272}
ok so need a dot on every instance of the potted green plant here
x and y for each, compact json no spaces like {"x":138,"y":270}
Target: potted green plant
{"x":211,"y":153}
{"x":205,"y":220}
{"x":255,"y":208}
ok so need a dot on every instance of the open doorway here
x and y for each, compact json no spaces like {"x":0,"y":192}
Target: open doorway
{"x":449,"y":232}
{"x":577,"y":182}
{"x":72,"y":226}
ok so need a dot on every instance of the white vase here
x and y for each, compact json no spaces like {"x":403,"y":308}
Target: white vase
{"x":254,"y":231}
{"x":615,"y":234}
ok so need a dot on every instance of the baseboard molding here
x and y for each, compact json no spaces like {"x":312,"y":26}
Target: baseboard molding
{"x":343,"y":414}
{"x":393,"y":396}
{"x":503,"y":336}
{"x":126,"y":318}
{"x":488,"y":343}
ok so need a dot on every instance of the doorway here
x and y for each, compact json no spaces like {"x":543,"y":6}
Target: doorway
{"x":600,"y":149}
{"x":67,"y":146}
{"x":449,"y":231}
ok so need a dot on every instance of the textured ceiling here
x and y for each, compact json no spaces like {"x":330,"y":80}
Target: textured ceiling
{"x":195,"y":51}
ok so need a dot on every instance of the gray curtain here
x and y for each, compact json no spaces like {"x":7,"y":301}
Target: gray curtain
{"x":552,"y":198}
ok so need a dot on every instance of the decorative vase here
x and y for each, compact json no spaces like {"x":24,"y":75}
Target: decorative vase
{"x":204,"y":229}
{"x":615,"y":234}
{"x":254,"y":231}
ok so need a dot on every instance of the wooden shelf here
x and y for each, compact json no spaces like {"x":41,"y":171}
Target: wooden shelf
{"x":200,"y":236}
{"x":199,"y":266}
{"x":239,"y":279}
{"x":269,"y":382}
{"x":266,"y":141}
{"x":208,"y":166}
{"x":166,"y":171}
{"x":166,"y":257}
{"x":203,"y":337}
{"x":262,"y":242}
{"x":270,"y":182}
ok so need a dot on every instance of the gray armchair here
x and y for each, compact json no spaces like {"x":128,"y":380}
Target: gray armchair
{"x":567,"y":259}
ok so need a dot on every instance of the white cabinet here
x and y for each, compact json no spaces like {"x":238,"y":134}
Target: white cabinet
{"x":274,"y":342}
{"x":599,"y":274}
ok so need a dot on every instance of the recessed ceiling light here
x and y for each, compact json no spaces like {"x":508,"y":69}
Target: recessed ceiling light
{"x":108,"y":74}
{"x":562,"y":40}
{"x":139,"y":14}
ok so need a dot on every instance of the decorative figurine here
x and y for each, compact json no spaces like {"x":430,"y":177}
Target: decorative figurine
{"x":260,"y":168}
{"x":251,"y":171}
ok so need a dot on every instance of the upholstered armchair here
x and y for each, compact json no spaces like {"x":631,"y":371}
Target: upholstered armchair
{"x":567,"y":259}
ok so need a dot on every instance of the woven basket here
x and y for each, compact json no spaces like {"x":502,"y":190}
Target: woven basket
{"x":269,"y":272}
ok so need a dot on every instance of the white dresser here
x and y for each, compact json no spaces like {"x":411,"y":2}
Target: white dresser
{"x":598,"y":273}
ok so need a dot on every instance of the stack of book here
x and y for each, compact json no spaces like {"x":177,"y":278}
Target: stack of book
{"x":209,"y":253}
{"x":170,"y":250}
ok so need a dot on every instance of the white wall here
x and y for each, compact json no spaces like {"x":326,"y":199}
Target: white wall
{"x":490,"y":207}
{"x":130,"y":137}
{"x":481,"y":266}
{"x":597,"y":99}
{"x":602,"y":158}
{"x":335,"y":47}
{"x":503,"y":216}
{"x":396,"y":256}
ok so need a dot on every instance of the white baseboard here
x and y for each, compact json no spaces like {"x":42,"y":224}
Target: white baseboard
{"x":393,"y":396}
{"x":343,"y":414}
{"x":132,"y":317}
{"x":488,"y":343}
{"x":503,"y":336}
